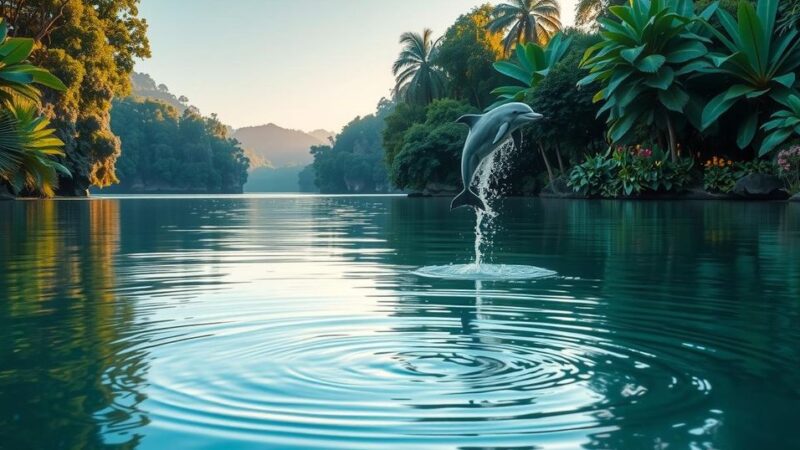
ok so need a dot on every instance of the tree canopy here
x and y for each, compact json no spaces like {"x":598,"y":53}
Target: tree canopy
{"x":91,"y":45}
{"x":165,"y":151}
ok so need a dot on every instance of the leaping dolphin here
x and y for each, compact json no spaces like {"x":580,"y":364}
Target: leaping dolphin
{"x":486,"y":133}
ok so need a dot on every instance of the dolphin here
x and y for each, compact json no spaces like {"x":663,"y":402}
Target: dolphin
{"x":486,"y":133}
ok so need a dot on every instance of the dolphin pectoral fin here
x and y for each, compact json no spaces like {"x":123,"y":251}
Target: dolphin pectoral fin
{"x":517,"y":136}
{"x":469,"y":119}
{"x":500,"y":133}
{"x":467,"y":198}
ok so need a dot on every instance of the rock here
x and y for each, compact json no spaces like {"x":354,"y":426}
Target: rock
{"x":760,"y":186}
{"x":795,"y":198}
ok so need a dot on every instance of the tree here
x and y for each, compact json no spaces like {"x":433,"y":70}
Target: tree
{"x":27,"y":141}
{"x":466,"y":55}
{"x":91,"y":45}
{"x":757,"y":67}
{"x":165,"y":151}
{"x":531,"y":64}
{"x":431,"y":150}
{"x":418,"y":79}
{"x":648,"y":52}
{"x":526,"y":21}
{"x":353,"y":162}
{"x":569,"y":126}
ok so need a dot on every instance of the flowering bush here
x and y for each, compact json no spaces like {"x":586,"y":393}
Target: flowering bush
{"x":630,"y":171}
{"x":789,"y":168}
{"x":719,"y":175}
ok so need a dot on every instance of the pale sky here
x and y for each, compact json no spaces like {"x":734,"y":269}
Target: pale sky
{"x":302,"y":64}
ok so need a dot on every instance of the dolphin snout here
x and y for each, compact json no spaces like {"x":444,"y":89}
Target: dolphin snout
{"x":531,"y":116}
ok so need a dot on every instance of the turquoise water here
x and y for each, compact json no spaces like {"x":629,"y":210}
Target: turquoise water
{"x":298,"y":323}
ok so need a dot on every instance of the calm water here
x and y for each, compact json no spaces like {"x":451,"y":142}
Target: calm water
{"x":251,"y":323}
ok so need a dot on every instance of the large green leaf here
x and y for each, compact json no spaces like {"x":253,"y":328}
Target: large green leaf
{"x":715,"y":108}
{"x":675,"y":99}
{"x":747,"y":130}
{"x":786,"y":79}
{"x":15,"y":50}
{"x":662,"y":79}
{"x":514,"y":71}
{"x":686,"y":51}
{"x":773,"y":140}
{"x":651,"y":64}
{"x":631,"y":54}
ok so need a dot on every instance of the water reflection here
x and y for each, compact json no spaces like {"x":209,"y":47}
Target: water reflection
{"x":68,"y":378}
{"x":297,"y":323}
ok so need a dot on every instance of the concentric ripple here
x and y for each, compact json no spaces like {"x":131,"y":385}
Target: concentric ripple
{"x":299,"y":324}
{"x":484,"y":272}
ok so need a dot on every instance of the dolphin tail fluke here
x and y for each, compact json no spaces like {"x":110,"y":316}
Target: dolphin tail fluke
{"x":467,"y":198}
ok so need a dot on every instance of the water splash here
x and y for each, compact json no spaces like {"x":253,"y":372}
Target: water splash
{"x":493,"y":165}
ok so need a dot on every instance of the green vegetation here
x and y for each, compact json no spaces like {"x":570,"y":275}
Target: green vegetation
{"x":91,"y":45}
{"x":631,"y":172}
{"x":467,"y":53}
{"x":165,"y":151}
{"x":419,"y":80}
{"x":643,"y":62}
{"x":27,"y":142}
{"x":672,"y":75}
{"x":431,"y":150}
{"x":532,"y":63}
{"x":353,"y":163}
{"x":757,"y":68}
{"x":526,"y":21}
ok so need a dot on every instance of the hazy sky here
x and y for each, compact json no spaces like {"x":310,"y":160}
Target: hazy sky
{"x":301,"y":64}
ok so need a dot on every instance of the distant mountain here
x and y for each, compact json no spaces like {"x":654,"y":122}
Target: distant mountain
{"x":280,"y":147}
{"x":323,"y":135}
{"x":145,"y":86}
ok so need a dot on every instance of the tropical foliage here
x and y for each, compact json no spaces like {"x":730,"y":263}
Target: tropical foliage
{"x":789,"y":166}
{"x":648,"y":52}
{"x":526,"y":21}
{"x":633,"y":171}
{"x":430,"y":150}
{"x":353,"y":163}
{"x":418,"y":79}
{"x":466,"y":55}
{"x":166,"y":151}
{"x":90,"y":45}
{"x":27,"y":148}
{"x":782,"y":125}
{"x":27,"y":142}
{"x":530,"y":65}
{"x":760,"y":66}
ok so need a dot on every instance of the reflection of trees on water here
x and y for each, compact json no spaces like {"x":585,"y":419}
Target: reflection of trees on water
{"x":69,"y":377}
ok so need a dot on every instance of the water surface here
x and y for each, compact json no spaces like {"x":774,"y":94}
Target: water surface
{"x":298,"y":322}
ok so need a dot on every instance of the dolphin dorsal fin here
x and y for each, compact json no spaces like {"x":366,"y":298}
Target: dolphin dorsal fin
{"x":469,"y":119}
{"x":500,"y":133}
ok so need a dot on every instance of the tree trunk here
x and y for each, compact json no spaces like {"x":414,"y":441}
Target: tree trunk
{"x":672,"y":144}
{"x":547,"y":164}
{"x":560,"y":160}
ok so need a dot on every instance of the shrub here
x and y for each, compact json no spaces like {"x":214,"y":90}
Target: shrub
{"x":631,"y":171}
{"x":719,"y":175}
{"x":789,"y":168}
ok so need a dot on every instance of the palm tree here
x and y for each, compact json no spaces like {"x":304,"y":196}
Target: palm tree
{"x":27,"y":144}
{"x":526,"y":21}
{"x":418,"y":79}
